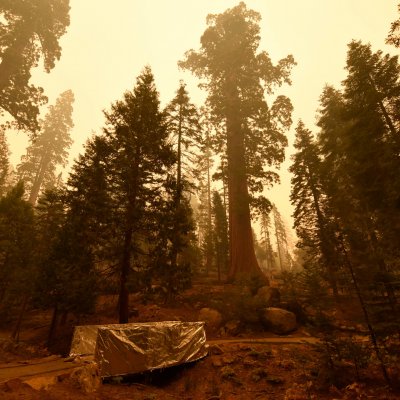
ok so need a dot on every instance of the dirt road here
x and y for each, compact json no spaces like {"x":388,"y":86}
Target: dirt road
{"x":55,"y":365}
{"x":52,"y":366}
{"x":270,"y":340}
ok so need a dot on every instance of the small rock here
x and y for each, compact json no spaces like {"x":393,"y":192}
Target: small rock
{"x":247,"y":362}
{"x":14,"y":385}
{"x":217,"y":363}
{"x":258,"y":373}
{"x":227,"y":373}
{"x":232,"y":328}
{"x":63,"y":377}
{"x":133,"y":312}
{"x":215,"y":349}
{"x":228,"y":360}
{"x":41,"y":382}
{"x":274,"y":380}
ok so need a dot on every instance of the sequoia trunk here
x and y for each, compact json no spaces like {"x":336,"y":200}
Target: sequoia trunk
{"x":243,"y":261}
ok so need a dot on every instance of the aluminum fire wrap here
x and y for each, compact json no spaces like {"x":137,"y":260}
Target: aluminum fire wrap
{"x":85,"y":337}
{"x":134,"y":348}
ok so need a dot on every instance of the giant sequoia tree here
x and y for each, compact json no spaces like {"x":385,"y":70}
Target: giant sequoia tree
{"x":236,"y":77}
{"x":31,"y":31}
{"x":49,"y":149}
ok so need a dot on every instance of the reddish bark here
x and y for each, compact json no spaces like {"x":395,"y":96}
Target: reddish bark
{"x":243,"y":261}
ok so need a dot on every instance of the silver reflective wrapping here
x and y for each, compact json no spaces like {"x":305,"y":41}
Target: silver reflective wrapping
{"x":85,"y":337}
{"x":134,"y":348}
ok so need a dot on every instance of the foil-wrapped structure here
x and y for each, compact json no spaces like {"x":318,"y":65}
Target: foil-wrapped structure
{"x":85,"y":337}
{"x":138,"y":347}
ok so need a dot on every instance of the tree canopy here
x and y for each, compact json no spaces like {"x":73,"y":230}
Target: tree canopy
{"x":31,"y":32}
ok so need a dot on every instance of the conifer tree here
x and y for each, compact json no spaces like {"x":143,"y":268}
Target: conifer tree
{"x":360,"y":142}
{"x":310,"y":216}
{"x":123,"y":172}
{"x":171,"y":242}
{"x":359,"y":146}
{"x":31,"y":31}
{"x":394,"y":32}
{"x":183,"y":126}
{"x":204,"y":224}
{"x":17,"y":243}
{"x":266,"y":242}
{"x":4,"y":162}
{"x":221,"y":240}
{"x":202,"y":173}
{"x":66,"y":274}
{"x":236,"y":77}
{"x":281,"y":240}
{"x":183,"y":122}
{"x":49,"y":149}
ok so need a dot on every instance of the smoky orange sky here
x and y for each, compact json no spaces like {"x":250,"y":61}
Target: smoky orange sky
{"x":109,"y":42}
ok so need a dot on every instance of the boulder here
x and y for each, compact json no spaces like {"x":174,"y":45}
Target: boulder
{"x":278,"y":320}
{"x":215,"y":350}
{"x":211,"y":317}
{"x":268,"y":296}
{"x":86,"y":378}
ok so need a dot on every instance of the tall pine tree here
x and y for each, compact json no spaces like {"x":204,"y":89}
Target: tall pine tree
{"x":310,"y":216}
{"x":129,"y":162}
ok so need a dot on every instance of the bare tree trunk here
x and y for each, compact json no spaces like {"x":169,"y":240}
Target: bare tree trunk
{"x":209,"y":222}
{"x":63,"y":319}
{"x":386,"y":115}
{"x":278,"y":244}
{"x":391,"y":294}
{"x":37,"y":183}
{"x":53,"y":326}
{"x":17,"y":329}
{"x":324,"y":238}
{"x":123,"y":300}
{"x":366,"y":315}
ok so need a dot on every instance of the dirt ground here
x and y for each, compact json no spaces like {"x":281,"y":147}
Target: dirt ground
{"x":252,"y":364}
{"x":231,"y":371}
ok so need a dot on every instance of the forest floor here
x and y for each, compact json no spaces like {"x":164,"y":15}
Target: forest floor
{"x":252,"y":364}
